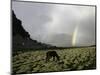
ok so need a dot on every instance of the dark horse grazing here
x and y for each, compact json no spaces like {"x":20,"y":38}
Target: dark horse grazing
{"x":52,"y":54}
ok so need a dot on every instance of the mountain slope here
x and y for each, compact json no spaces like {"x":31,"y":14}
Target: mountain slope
{"x":21,"y":38}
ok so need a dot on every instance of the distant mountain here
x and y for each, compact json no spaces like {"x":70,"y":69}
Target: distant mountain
{"x":21,"y":38}
{"x":93,"y":45}
{"x":60,"y":39}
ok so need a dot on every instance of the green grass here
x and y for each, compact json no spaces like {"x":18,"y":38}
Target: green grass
{"x":73,"y":59}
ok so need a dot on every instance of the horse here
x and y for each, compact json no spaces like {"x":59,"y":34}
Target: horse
{"x":52,"y":54}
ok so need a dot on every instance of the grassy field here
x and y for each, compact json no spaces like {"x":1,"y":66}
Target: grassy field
{"x":70,"y":59}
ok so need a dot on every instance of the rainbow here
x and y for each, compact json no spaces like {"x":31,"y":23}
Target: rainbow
{"x":74,"y":36}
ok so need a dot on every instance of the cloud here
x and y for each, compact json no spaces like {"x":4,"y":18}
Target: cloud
{"x":54,"y":24}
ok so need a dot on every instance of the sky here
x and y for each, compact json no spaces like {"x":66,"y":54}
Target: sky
{"x":57,"y":24}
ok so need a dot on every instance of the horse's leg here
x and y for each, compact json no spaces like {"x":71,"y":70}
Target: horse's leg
{"x":53,"y":58}
{"x":47,"y":58}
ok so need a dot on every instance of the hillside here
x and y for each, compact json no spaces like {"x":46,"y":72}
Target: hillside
{"x":21,"y":38}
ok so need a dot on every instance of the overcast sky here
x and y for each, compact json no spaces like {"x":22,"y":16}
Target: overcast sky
{"x":59,"y":25}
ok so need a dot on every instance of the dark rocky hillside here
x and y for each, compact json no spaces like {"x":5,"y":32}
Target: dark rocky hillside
{"x":21,"y":38}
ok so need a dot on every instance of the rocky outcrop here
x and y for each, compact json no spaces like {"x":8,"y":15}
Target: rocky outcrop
{"x":17,"y":27}
{"x":21,"y":38}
